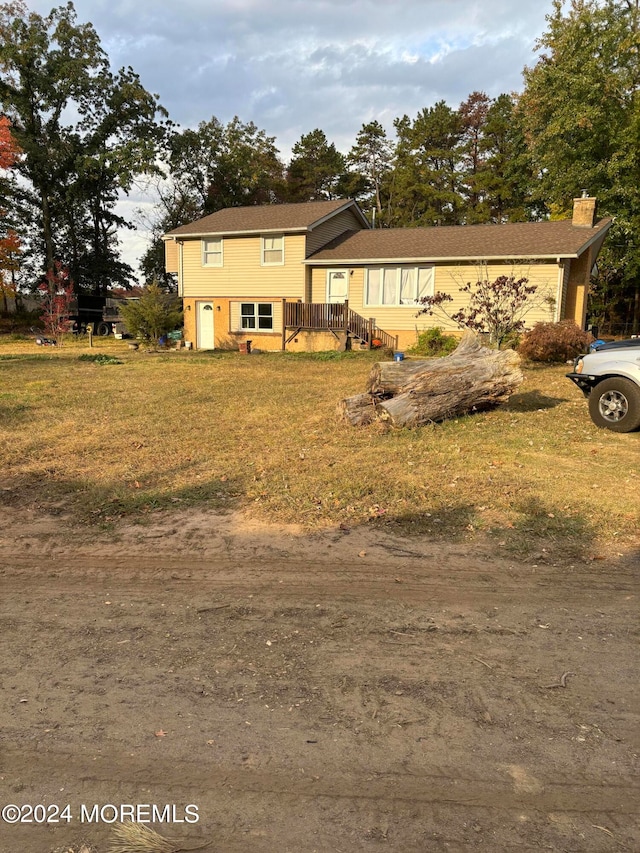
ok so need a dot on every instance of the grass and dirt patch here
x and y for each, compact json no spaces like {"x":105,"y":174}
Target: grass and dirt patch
{"x":259,"y":433}
{"x":328,"y":684}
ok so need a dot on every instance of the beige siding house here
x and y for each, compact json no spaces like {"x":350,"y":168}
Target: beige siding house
{"x":314,"y":275}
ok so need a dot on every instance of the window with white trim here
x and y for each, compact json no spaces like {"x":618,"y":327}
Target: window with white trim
{"x":212,"y":252}
{"x":273,"y":250}
{"x":403,"y":285}
{"x":256,"y":316}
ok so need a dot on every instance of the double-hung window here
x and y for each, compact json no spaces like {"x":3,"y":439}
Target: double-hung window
{"x":403,"y":285}
{"x":212,"y":252}
{"x":256,"y":316}
{"x":273,"y":250}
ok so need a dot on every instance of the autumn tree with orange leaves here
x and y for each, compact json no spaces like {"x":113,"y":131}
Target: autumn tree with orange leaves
{"x":10,"y":246}
{"x":10,"y":252}
{"x":9,"y":148}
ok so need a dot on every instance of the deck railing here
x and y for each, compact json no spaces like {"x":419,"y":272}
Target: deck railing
{"x":334,"y":317}
{"x":314,"y":315}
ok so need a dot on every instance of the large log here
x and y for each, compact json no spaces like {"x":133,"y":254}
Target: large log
{"x":413,"y":393}
{"x":477,"y":379}
{"x":359,"y":410}
{"x":390,"y":377}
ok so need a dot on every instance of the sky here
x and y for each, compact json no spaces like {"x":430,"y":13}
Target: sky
{"x":291,"y":66}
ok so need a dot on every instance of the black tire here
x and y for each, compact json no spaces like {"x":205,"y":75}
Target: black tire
{"x":102,"y":329}
{"x":615,"y":404}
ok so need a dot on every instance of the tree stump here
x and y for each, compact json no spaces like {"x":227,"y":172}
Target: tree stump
{"x":409,"y":394}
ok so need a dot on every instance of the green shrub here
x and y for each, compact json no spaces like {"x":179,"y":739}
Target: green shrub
{"x":153,"y":315}
{"x":554,"y":342}
{"x":433,"y":343}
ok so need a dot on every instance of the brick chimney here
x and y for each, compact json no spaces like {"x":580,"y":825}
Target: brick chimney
{"x":584,"y":211}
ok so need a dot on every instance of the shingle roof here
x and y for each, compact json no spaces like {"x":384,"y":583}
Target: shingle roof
{"x":266,"y":217}
{"x":518,"y":240}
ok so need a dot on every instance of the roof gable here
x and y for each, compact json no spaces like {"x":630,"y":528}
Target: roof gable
{"x":258,"y":219}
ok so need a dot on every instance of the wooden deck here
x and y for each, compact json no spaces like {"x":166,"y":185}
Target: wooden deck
{"x":337,"y":318}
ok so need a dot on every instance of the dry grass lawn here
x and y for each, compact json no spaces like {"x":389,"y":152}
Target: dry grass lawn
{"x":101,"y":441}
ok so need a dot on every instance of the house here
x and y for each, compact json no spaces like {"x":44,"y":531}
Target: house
{"x":312,"y":276}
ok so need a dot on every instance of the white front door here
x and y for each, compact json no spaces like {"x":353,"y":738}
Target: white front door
{"x":337,"y":285}
{"x":204,"y":328}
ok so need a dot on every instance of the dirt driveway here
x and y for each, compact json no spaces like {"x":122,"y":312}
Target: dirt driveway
{"x":345,"y":691}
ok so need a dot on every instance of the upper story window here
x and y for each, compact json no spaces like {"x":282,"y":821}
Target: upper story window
{"x":398,"y":285}
{"x":273,"y":250}
{"x":212,"y":252}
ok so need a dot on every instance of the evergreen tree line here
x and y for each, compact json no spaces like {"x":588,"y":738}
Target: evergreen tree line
{"x":87,"y":134}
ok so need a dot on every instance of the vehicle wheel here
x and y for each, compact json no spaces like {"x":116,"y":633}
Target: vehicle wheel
{"x":102,"y":329}
{"x":615,"y":404}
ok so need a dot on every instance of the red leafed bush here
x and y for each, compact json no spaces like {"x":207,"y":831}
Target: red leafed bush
{"x":554,"y":342}
{"x":57,"y":297}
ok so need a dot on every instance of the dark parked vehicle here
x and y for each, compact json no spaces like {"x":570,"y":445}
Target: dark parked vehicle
{"x":98,"y":314}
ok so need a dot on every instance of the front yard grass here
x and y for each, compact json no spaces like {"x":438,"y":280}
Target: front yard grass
{"x":101,"y":441}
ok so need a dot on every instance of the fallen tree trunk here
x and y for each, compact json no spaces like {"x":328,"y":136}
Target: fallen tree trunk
{"x":458,"y":390}
{"x":390,"y":377}
{"x":408,"y":394}
{"x":359,"y":410}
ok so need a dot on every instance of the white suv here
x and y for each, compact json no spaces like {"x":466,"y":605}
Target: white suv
{"x":609,"y":376}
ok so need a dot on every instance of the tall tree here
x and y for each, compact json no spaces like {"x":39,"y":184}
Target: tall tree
{"x":315,"y":170}
{"x":231,"y":165}
{"x":10,"y":245}
{"x":86,"y":134}
{"x":248,"y":171}
{"x":193,"y":162}
{"x":10,"y":252}
{"x":371,"y":158}
{"x":507,"y":178}
{"x":581,"y":113}
{"x":118,"y":140}
{"x":473,"y":118}
{"x":426,"y":180}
